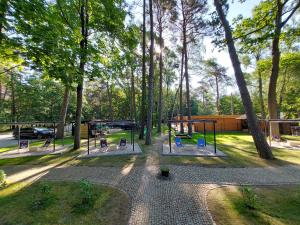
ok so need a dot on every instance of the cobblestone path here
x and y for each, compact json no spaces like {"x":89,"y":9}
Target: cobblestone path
{"x":180,"y":200}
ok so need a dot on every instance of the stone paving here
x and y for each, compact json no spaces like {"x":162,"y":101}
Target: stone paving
{"x":180,"y":200}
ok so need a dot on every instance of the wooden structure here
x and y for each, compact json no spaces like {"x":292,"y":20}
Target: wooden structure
{"x":223,"y":123}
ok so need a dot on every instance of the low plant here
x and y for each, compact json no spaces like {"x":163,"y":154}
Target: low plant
{"x":2,"y":178}
{"x":249,"y":198}
{"x":87,"y":199}
{"x":165,"y":171}
{"x":43,"y":198}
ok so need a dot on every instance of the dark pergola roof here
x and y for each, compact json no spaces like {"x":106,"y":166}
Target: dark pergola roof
{"x":284,"y":120}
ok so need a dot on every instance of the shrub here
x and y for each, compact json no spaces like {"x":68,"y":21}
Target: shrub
{"x":249,"y":197}
{"x":86,"y":197}
{"x":2,"y":178}
{"x":164,"y":171}
{"x":43,"y":198}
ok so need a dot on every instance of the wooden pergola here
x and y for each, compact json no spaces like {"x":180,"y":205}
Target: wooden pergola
{"x":170,"y":122}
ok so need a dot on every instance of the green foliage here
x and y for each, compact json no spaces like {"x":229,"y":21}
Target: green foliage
{"x":164,"y":169}
{"x":235,"y":100}
{"x":249,"y":197}
{"x":87,"y":198}
{"x":2,"y":178}
{"x":44,"y":198}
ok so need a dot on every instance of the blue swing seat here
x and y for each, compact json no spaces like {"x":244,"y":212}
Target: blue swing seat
{"x":201,"y":143}
{"x":178,"y":142}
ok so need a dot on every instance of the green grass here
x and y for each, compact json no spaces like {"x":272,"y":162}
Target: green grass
{"x":110,"y":206}
{"x":290,"y":137}
{"x":275,"y":206}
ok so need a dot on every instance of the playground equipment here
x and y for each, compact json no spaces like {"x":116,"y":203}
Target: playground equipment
{"x":109,"y":126}
{"x":25,"y":143}
{"x":178,"y":142}
{"x":201,"y":142}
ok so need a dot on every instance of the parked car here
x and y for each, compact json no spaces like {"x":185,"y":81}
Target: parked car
{"x":34,"y":132}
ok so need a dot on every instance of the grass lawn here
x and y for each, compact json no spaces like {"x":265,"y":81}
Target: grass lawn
{"x":275,"y":206}
{"x":292,"y":138}
{"x":24,"y":203}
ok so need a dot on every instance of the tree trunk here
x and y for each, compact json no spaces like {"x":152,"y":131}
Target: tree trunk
{"x":282,"y":89}
{"x":180,"y":92}
{"x":218,"y":96}
{"x":133,"y":104}
{"x":63,"y":113}
{"x":13,"y":99}
{"x":3,"y":10}
{"x":272,"y":97}
{"x":261,"y":97}
{"x":84,"y":17}
{"x":109,"y":95}
{"x":188,"y":101}
{"x":151,"y":79}
{"x":143,"y":103}
{"x":160,"y":94}
{"x":261,"y":144}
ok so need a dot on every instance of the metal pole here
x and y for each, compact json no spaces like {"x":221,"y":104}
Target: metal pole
{"x":95,"y":138}
{"x":133,"y":137}
{"x":19,"y":131}
{"x":54,"y":137}
{"x":88,"y":138}
{"x":169,"y":125}
{"x":204,"y":131}
{"x":215,"y":142}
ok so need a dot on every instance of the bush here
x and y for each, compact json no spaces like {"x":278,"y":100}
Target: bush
{"x":86,"y":197}
{"x":44,"y":198}
{"x":2,"y":178}
{"x":249,"y":197}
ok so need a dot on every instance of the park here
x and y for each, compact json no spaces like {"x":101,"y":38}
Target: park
{"x":144,"y":112}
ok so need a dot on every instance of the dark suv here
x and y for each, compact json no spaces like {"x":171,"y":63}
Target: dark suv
{"x":34,"y":132}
